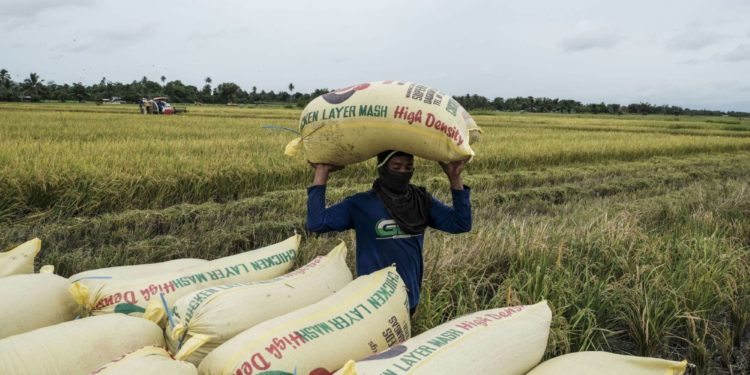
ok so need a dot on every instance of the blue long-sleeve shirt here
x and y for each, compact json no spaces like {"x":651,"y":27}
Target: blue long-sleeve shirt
{"x":380,"y":242}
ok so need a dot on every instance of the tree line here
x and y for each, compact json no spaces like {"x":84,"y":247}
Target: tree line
{"x":34,"y":88}
{"x":548,"y":105}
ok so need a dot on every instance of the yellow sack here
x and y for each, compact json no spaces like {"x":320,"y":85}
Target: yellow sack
{"x":208,"y":318}
{"x":132,"y":296}
{"x":76,"y":347}
{"x":20,"y":260}
{"x":103,"y":275}
{"x":508,"y":341}
{"x":353,"y":124}
{"x":368,"y":315}
{"x":150,"y":360}
{"x":474,"y":131}
{"x":596,"y":363}
{"x":34,"y":301}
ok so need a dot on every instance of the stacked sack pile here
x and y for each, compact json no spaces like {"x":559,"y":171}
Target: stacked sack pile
{"x":250,"y":313}
{"x":97,"y":321}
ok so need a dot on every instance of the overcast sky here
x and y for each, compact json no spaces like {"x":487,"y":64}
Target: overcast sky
{"x":695,"y":54}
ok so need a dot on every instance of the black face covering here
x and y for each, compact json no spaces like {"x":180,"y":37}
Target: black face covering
{"x":397,"y":182}
{"x":409,"y":205}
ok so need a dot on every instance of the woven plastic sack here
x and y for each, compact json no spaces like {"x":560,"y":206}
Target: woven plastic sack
{"x":20,"y":260}
{"x":600,"y":363}
{"x":133,"y":296}
{"x":135,"y":271}
{"x":150,"y":360}
{"x":205,"y":319}
{"x":76,"y":347}
{"x":507,"y":341}
{"x":356,"y":123}
{"x":34,"y":301}
{"x":368,"y":315}
{"x":475,"y":132}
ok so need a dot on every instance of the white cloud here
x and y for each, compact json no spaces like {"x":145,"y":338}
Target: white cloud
{"x":694,"y":61}
{"x":31,"y":8}
{"x":740,"y":53}
{"x":16,"y":15}
{"x":736,"y":86}
{"x":693,"y":40}
{"x":588,"y":36}
{"x":111,"y":40}
{"x":485,"y":47}
{"x":222,"y":33}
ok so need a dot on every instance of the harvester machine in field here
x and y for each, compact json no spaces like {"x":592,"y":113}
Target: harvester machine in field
{"x":158,"y":106}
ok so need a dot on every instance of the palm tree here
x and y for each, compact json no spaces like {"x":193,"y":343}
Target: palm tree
{"x":33,"y":84}
{"x":4,"y":77}
{"x":207,"y":87}
{"x":33,"y":80}
{"x":163,"y":79}
{"x":5,"y":85}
